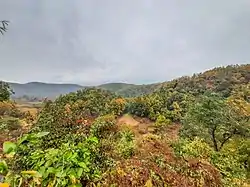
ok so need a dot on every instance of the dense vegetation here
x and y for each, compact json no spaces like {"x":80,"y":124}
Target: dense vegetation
{"x":192,"y":131}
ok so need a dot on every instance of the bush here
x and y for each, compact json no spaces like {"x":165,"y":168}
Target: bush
{"x":162,"y":121}
{"x":103,"y":126}
{"x":71,"y":115}
{"x":138,"y":107}
{"x":6,"y":108}
{"x":67,"y":165}
{"x":117,"y":106}
{"x":229,"y":161}
{"x":9,"y":124}
{"x":126,"y":146}
{"x":193,"y":149}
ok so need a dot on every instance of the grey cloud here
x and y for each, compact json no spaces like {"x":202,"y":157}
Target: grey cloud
{"x":137,"y":41}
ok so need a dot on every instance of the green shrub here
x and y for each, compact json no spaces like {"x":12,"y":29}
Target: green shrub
{"x":138,"y":107}
{"x":9,"y":124}
{"x":126,"y":145}
{"x":193,"y":149}
{"x":103,"y":126}
{"x":65,"y":117}
{"x":162,"y":121}
{"x":67,"y":165}
{"x":229,"y":161}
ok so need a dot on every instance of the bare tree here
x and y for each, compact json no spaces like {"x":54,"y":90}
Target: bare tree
{"x":3,"y":27}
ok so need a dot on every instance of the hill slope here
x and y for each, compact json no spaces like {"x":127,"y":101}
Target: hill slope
{"x":116,"y":87}
{"x":220,"y":79}
{"x":52,"y":90}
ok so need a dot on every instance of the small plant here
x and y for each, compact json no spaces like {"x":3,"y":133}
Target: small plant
{"x":192,"y":149}
{"x":161,"y":121}
{"x":126,"y":145}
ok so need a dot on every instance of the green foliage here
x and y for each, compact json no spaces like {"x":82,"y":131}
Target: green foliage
{"x":103,"y":126}
{"x":67,"y":165}
{"x":117,"y":106}
{"x":68,"y":118}
{"x":9,"y":124}
{"x":126,"y":145}
{"x":166,"y":102}
{"x":9,"y":147}
{"x":5,"y":91}
{"x":220,"y":80}
{"x":230,"y":161}
{"x":210,"y":118}
{"x":192,"y":149}
{"x":75,"y":141}
{"x":162,"y":121}
{"x":138,"y":106}
{"x":3,"y":168}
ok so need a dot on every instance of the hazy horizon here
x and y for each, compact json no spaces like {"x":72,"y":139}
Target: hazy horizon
{"x":92,"y":42}
{"x":51,"y":82}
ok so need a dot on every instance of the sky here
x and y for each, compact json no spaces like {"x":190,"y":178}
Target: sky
{"x":90,"y":42}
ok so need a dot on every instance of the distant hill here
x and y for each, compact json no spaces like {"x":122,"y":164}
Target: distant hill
{"x":220,"y":79}
{"x":41,"y":90}
{"x":38,"y":90}
{"x":116,"y":87}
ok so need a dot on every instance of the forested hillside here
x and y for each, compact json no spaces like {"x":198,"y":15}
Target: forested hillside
{"x":188,"y":132}
{"x":221,"y":79}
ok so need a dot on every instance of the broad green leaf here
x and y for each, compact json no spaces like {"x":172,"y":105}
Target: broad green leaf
{"x":9,"y":147}
{"x":24,"y":138}
{"x":3,"y":167}
{"x":41,"y":134}
{"x":82,"y":164}
{"x":79,"y":172}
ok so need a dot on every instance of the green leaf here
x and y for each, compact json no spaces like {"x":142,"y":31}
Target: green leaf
{"x":84,"y":166}
{"x":30,"y":137}
{"x":9,"y":147}
{"x":32,"y":173}
{"x":41,"y":134}
{"x":79,"y":172}
{"x":93,"y":139}
{"x":3,"y":167}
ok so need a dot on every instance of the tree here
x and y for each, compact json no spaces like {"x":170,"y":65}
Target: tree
{"x":211,"y":119}
{"x":5,"y":91}
{"x":3,"y":28}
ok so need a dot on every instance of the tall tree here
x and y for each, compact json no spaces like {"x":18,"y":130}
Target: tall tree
{"x":213,"y":120}
{"x":5,"y":91}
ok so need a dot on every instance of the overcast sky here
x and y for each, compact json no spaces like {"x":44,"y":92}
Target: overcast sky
{"x":91,"y":42}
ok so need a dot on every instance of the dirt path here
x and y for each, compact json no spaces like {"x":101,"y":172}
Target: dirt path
{"x":139,"y":126}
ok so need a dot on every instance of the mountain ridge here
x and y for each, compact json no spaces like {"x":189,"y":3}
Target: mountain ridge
{"x":52,"y":90}
{"x":218,"y":78}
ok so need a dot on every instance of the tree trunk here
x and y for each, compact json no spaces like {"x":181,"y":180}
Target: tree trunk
{"x":214,"y":139}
